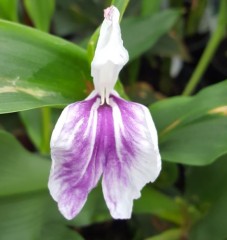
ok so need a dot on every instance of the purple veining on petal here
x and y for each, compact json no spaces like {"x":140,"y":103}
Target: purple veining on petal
{"x":77,"y":167}
{"x":110,"y":139}
{"x":132,"y":159}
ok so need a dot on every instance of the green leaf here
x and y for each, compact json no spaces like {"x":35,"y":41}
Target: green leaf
{"x":213,"y":225}
{"x":33,"y":122}
{"x":8,"y":10}
{"x":150,"y":7}
{"x":156,"y":203}
{"x":23,"y":179}
{"x":24,"y":217}
{"x":10,"y":122}
{"x":178,"y":111}
{"x":37,"y":69}
{"x":141,"y":33}
{"x":24,"y":200}
{"x":21,"y":216}
{"x":199,"y":143}
{"x":206,"y":186}
{"x":170,"y":46}
{"x":20,"y":171}
{"x":192,"y":130}
{"x":58,"y":231}
{"x":40,"y":11}
{"x":168,"y":113}
{"x":168,"y":175}
{"x":24,"y":175}
{"x":172,"y":234}
{"x":198,"y":189}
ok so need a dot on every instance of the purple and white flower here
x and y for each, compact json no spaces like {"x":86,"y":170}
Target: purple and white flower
{"x":104,"y":135}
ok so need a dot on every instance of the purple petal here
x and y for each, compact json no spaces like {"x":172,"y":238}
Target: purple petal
{"x":132,"y":155}
{"x":118,"y":140}
{"x":77,"y":160}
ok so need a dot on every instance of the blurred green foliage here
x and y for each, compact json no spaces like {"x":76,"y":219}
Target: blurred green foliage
{"x":42,"y":73}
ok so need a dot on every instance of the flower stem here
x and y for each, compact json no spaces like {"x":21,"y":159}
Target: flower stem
{"x":46,"y":130}
{"x":209,"y":51}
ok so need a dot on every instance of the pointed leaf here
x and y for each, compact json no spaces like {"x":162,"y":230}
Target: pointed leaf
{"x":40,"y":11}
{"x":8,"y":10}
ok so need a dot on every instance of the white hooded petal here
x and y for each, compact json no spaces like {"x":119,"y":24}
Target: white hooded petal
{"x":110,"y":55}
{"x":132,"y":156}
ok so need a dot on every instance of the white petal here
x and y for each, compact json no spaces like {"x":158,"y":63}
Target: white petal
{"x":76,"y":163}
{"x":110,"y":55}
{"x":133,"y":158}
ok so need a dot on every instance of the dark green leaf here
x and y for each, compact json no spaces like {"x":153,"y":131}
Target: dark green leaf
{"x":141,"y":33}
{"x":24,"y":200}
{"x":198,"y":143}
{"x":23,"y":179}
{"x":207,"y":184}
{"x":32,"y":120}
{"x":177,"y":111}
{"x":168,"y":175}
{"x":37,"y":69}
{"x":20,"y":171}
{"x":24,"y":217}
{"x":192,"y":130}
{"x":21,"y":216}
{"x":207,"y":187}
{"x":156,"y":203}
{"x":170,"y":46}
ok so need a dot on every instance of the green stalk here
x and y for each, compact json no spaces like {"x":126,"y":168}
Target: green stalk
{"x":46,"y":130}
{"x":209,"y":51}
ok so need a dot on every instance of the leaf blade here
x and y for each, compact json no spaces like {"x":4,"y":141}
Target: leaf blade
{"x":146,"y":36}
{"x":37,"y":69}
{"x":40,"y":12}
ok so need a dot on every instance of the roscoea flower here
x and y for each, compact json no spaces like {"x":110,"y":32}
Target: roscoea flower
{"x":104,"y":135}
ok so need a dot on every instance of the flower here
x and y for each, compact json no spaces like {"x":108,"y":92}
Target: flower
{"x":104,"y":135}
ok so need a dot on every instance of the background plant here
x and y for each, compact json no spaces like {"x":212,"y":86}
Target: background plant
{"x":176,"y":48}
